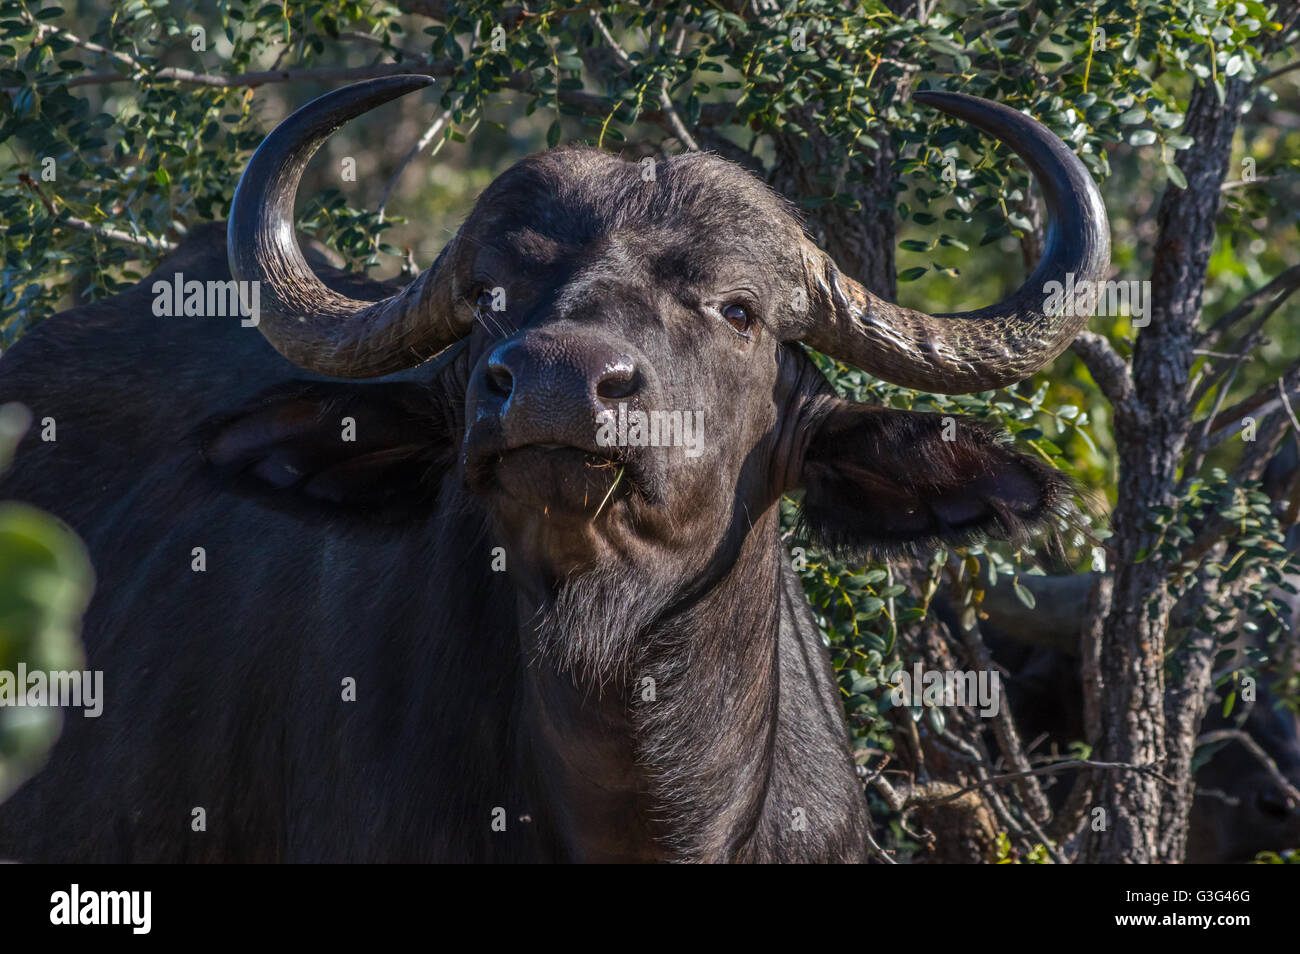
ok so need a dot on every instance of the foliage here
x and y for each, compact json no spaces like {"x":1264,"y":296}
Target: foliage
{"x":1005,"y":856}
{"x":1288,"y":857}
{"x":45,"y":584}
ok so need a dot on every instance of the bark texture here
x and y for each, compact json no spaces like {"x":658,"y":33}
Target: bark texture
{"x":1147,"y":713}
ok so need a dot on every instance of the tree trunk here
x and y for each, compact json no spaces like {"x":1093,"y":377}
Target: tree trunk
{"x":1151,"y":443}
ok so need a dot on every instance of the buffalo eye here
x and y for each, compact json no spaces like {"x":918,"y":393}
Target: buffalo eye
{"x":738,"y":317}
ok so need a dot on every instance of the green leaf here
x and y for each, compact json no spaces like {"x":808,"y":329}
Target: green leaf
{"x":937,"y":719}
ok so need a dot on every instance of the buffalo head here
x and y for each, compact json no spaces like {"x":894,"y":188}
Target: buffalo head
{"x":596,"y":293}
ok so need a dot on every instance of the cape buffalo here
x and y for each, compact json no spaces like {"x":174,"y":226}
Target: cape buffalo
{"x":438,"y":616}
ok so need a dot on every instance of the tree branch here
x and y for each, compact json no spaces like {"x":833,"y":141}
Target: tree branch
{"x":1253,"y":747}
{"x":420,"y":145}
{"x":665,"y":101}
{"x":1279,"y":288}
{"x":1004,"y":727}
{"x":1269,"y":77}
{"x":1050,"y":770}
{"x":1109,"y":369}
{"x":440,"y":10}
{"x":103,"y":231}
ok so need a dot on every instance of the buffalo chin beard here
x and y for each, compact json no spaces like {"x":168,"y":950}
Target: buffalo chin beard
{"x":597,"y":623}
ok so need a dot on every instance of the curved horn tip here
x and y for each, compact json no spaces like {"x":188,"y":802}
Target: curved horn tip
{"x":936,"y":97}
{"x":312,"y":326}
{"x":356,"y":98}
{"x":399,"y":83}
{"x":932,"y":95}
{"x":1006,"y":342}
{"x":276,"y":164}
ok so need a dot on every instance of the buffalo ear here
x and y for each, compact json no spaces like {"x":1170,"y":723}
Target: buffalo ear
{"x":882,"y":481}
{"x":355,"y":445}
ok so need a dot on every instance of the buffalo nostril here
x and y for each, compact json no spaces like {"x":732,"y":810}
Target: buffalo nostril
{"x":499,"y":379}
{"x":617,"y":383}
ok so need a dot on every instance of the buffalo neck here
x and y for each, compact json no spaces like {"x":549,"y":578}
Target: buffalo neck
{"x":691,"y":754}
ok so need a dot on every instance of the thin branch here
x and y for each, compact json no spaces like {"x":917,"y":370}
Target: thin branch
{"x":1223,"y":424}
{"x":1215,"y":354}
{"x":712,"y":114}
{"x":1286,"y":403}
{"x":1242,"y":183}
{"x":893,"y":798}
{"x":876,"y":851}
{"x":322,"y":74}
{"x":898,"y":802}
{"x":117,"y":235}
{"x":284,"y":51}
{"x":440,"y":10}
{"x":140,"y":71}
{"x":1211,"y":375}
{"x":378,"y":41}
{"x":1283,"y":285}
{"x":1050,"y":769}
{"x":45,"y":29}
{"x":1270,"y":433}
{"x":665,"y":100}
{"x":1220,"y":425}
{"x":1282,"y":71}
{"x":421,"y":144}
{"x":1045,"y":840}
{"x":1109,"y":369}
{"x":1004,"y":726}
{"x":103,"y":231}
{"x":1253,"y":747}
{"x":1210,"y":434}
{"x":979,"y":762}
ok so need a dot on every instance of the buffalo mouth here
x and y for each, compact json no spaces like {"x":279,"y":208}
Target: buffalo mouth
{"x":556,"y":478}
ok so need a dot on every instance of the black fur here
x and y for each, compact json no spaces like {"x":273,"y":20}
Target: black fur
{"x":916,"y":489}
{"x":643,"y":680}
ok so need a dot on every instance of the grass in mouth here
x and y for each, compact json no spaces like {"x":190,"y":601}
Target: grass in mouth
{"x":609,"y":493}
